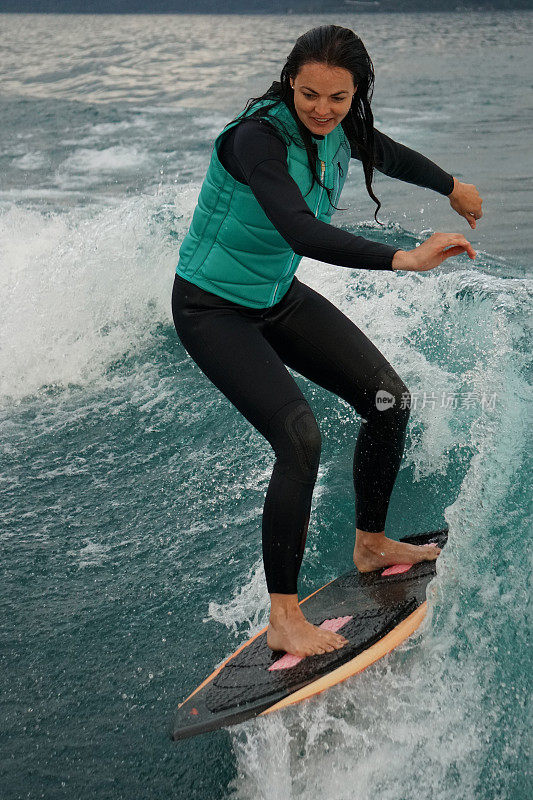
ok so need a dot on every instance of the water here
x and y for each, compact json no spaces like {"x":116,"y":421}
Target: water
{"x":132,"y":491}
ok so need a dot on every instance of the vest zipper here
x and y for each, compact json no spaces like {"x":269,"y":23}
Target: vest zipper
{"x":286,"y":271}
{"x":341,"y":173}
{"x":323,"y":169}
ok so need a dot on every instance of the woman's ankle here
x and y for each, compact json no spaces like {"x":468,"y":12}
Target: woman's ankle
{"x":369,"y":539}
{"x":284,"y":606}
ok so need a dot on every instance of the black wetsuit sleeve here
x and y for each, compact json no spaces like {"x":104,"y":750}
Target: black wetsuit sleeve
{"x":254,"y":154}
{"x":398,"y":161}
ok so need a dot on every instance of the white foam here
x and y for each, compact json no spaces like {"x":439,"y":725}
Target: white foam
{"x":95,"y":134}
{"x":249,"y":605}
{"x":79,"y":291}
{"x":108,"y":128}
{"x":92,"y":554}
{"x":29,"y":161}
{"x":427,"y":325}
{"x":109,"y":159}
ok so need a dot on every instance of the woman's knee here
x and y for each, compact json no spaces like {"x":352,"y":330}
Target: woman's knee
{"x":296,"y":439}
{"x":391,"y":397}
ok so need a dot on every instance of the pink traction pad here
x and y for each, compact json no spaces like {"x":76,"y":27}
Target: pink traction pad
{"x":288,"y":660}
{"x":397,"y":569}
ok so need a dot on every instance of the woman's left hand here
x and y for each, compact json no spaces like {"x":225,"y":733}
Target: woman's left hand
{"x":466,"y":201}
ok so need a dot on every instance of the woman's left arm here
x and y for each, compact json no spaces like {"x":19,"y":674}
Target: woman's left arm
{"x":399,"y":161}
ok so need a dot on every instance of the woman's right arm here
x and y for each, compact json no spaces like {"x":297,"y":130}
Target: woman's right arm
{"x":254,"y":154}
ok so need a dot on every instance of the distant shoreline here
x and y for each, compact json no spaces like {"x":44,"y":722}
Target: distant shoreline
{"x":257,"y":13}
{"x":258,"y":7}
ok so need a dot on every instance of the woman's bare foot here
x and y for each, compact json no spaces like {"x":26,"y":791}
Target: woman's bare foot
{"x":373,"y":551}
{"x":289,"y":630}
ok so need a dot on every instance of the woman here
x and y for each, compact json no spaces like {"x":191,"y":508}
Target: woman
{"x":243,"y":316}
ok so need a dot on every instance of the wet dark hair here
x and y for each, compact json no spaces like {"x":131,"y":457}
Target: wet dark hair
{"x":333,"y":46}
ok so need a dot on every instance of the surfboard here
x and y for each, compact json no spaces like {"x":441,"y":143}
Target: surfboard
{"x":376,"y":611}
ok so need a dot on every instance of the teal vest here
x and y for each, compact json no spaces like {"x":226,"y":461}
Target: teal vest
{"x":231,"y":248}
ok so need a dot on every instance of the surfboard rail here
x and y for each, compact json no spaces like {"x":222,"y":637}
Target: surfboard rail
{"x":390,"y":641}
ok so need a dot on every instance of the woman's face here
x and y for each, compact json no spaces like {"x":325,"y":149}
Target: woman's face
{"x":322,"y":92}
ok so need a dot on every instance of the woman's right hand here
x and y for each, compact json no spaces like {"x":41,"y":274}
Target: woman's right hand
{"x":432,"y":252}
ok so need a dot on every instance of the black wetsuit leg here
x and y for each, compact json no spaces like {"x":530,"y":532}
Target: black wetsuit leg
{"x":245,"y":351}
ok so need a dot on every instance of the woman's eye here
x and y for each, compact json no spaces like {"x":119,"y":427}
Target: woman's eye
{"x":310,"y":97}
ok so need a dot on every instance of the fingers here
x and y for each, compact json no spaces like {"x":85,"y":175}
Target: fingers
{"x":472,"y":216}
{"x":457,"y":239}
{"x":466,"y":201}
{"x":435,"y":250}
{"x":453,"y":251}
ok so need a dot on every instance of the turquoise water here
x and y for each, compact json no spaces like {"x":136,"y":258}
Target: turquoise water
{"x":131,"y":490}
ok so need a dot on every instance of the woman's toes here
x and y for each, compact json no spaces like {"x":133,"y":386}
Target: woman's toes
{"x":339,"y":643}
{"x":331,"y":640}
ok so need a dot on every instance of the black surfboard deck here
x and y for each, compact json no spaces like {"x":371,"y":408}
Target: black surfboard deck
{"x":375,"y":612}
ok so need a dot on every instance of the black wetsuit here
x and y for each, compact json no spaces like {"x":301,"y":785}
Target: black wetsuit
{"x":245,"y":351}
